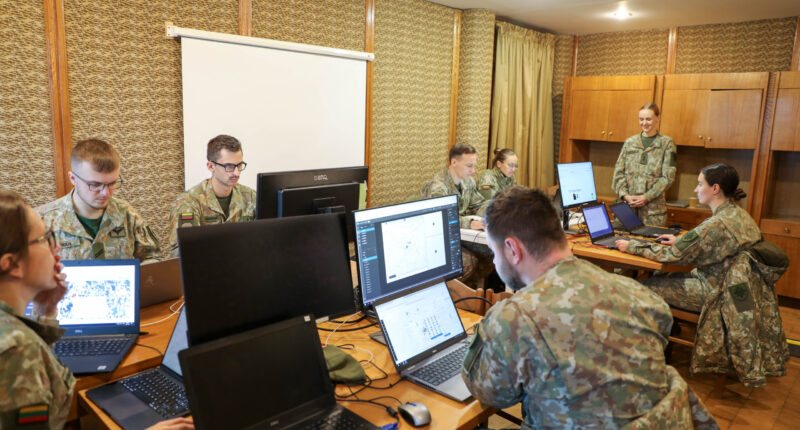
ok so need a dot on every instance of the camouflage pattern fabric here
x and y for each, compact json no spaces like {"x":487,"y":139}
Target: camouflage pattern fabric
{"x":647,"y":172}
{"x":470,"y":201}
{"x":199,"y":206}
{"x":35,"y":388}
{"x":123,"y":232}
{"x":491,"y":181}
{"x":579,"y":347}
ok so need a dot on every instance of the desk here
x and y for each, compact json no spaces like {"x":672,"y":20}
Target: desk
{"x":446,"y":414}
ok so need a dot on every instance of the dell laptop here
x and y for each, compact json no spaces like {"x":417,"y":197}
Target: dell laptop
{"x":634,"y":225}
{"x":100,"y":313}
{"x":144,"y":399}
{"x":599,"y":225}
{"x":273,"y":377}
{"x":160,"y":281}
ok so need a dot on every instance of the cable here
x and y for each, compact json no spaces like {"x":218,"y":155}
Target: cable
{"x":348,"y":322}
{"x":347,"y":329}
{"x":473,"y":298}
{"x":337,"y":327}
{"x":147,"y":346}
{"x":174,"y":312}
{"x":389,"y":410}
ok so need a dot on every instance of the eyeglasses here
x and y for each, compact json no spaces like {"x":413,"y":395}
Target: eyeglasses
{"x":230,"y":167}
{"x":98,"y":186}
{"x":511,"y":166}
{"x":48,"y":237}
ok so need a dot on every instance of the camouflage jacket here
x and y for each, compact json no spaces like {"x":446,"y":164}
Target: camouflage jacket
{"x":491,"y":181}
{"x":199,"y":206}
{"x":123,"y":232}
{"x":470,"y":201}
{"x":35,"y":388}
{"x":648,"y":172}
{"x":579,"y":347}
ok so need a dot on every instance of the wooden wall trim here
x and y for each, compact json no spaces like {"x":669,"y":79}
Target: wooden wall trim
{"x":59,"y":92}
{"x":454,"y":77}
{"x":574,"y":55}
{"x":246,"y":17}
{"x":369,"y":46}
{"x":763,"y":160}
{"x":796,"y":52}
{"x":672,"y":49}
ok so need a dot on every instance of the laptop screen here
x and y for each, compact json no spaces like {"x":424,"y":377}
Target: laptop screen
{"x":177,"y":343}
{"x":100,"y":293}
{"x":597,"y":221}
{"x":626,"y":215}
{"x":576,"y":184}
{"x":419,"y":321}
{"x":406,"y":245}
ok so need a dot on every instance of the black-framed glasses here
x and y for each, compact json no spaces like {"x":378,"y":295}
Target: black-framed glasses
{"x":231,"y":167}
{"x":98,"y":186}
{"x":48,"y":237}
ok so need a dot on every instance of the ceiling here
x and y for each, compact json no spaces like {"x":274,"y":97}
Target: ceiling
{"x":594,"y":16}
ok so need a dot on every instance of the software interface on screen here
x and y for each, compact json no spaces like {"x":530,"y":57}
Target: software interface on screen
{"x":576,"y":183}
{"x":405,"y":245}
{"x":99,"y":295}
{"x":597,"y":220}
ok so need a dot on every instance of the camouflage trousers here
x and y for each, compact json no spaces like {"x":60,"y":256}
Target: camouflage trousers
{"x":681,"y":290}
{"x":477,"y":262}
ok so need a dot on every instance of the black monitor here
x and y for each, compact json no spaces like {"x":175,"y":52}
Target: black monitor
{"x":406,"y":245}
{"x":239,"y":276}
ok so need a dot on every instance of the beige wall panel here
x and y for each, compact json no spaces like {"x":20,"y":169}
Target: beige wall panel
{"x":332,"y":23}
{"x":623,"y":53}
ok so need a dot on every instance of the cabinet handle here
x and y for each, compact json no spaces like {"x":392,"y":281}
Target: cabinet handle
{"x":603,"y":132}
{"x":708,"y":139}
{"x":786,"y":229}
{"x":700,"y":137}
{"x":610,"y":133}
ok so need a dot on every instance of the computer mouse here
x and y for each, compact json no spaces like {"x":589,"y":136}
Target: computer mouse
{"x":415,"y":414}
{"x":661,"y":239}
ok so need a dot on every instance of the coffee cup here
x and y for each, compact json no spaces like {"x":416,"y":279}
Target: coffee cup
{"x":692,"y":202}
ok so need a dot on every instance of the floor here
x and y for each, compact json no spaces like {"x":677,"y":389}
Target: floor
{"x":774,"y":406}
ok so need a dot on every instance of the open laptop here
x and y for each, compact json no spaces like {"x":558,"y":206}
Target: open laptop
{"x":273,"y":377}
{"x":100,"y":312}
{"x":144,"y":399}
{"x":599,"y":225}
{"x":160,"y":281}
{"x":634,"y":225}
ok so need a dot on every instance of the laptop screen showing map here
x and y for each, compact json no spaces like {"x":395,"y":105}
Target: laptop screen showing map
{"x":406,"y":245}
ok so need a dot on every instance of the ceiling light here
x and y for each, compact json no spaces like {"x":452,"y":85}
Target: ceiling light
{"x":621,"y":13}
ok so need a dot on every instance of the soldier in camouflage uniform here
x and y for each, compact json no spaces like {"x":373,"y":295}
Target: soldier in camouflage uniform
{"x":501,"y":176}
{"x":579,"y":347}
{"x":218,"y":199}
{"x":89,"y":222}
{"x":645,"y":169}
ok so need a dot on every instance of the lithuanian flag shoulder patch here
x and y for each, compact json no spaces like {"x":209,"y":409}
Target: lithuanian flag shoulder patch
{"x":33,"y":414}
{"x":187,"y":216}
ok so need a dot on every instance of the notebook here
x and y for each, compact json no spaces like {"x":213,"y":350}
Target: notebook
{"x":100,"y":312}
{"x":633,"y":224}
{"x":426,"y":339}
{"x":273,"y":377}
{"x":599,"y":225}
{"x":146,"y":398}
{"x":160,"y":281}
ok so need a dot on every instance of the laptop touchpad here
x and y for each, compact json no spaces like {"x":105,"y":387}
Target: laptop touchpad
{"x":125,"y":405}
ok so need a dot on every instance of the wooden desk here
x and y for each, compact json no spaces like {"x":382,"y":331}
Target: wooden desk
{"x":446,"y":414}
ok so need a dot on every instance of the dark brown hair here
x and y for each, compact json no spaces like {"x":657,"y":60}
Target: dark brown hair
{"x":14,"y":219}
{"x":528,"y":215}
{"x":218,"y":143}
{"x":102,"y":156}
{"x":502,"y":155}
{"x":653,"y":107}
{"x":727,"y":178}
{"x":461,"y":149}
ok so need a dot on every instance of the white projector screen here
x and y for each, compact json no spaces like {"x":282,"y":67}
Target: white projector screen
{"x":291,"y":110}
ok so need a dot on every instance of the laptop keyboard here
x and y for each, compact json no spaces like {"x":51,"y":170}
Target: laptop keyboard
{"x":444,"y":368}
{"x":338,"y":420}
{"x":87,"y":347}
{"x":163,"y":394}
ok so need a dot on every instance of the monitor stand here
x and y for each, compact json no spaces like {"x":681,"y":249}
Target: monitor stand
{"x":378,"y":337}
{"x":565,"y":216}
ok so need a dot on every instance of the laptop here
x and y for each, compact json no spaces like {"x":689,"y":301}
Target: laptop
{"x":273,"y":377}
{"x":160,"y":281}
{"x":634,"y":225}
{"x":144,"y":399}
{"x":100,"y":313}
{"x":426,"y":339}
{"x":599,"y":225}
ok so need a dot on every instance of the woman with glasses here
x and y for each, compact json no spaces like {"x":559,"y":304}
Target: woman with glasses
{"x":35,"y":388}
{"x":501,"y":175}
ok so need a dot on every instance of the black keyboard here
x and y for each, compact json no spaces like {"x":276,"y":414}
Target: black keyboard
{"x":336,"y":420}
{"x":84,"y":347}
{"x":442,"y":369}
{"x":164,"y":395}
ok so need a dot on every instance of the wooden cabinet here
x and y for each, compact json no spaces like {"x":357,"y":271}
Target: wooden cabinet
{"x":714,"y":110}
{"x":786,"y":126}
{"x":687,"y":218}
{"x":606,"y":108}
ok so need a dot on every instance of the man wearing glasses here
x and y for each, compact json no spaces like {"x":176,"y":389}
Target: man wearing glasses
{"x":89,"y":223}
{"x":218,"y":199}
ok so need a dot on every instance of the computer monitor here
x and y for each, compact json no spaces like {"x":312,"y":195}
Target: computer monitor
{"x":576,"y":184}
{"x":406,"y":245}
{"x":239,"y":276}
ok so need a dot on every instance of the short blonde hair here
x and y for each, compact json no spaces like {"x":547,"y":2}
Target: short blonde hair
{"x":102,"y":156}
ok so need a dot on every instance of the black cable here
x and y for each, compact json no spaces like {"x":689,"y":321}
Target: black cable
{"x":473,"y":298}
{"x":347,"y":329}
{"x":348,"y":322}
{"x":154,"y":349}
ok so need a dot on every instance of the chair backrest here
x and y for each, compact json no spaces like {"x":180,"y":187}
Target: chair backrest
{"x":460,"y":290}
{"x":495,"y":297}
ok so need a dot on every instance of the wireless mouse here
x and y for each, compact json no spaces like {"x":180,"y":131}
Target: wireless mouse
{"x":415,"y":414}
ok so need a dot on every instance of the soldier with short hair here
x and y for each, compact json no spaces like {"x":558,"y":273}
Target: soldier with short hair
{"x":579,"y":347}
{"x":89,"y":222}
{"x":216,"y":200}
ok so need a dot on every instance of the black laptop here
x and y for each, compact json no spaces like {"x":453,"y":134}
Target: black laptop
{"x":634,"y":225}
{"x":273,"y":377}
{"x":146,"y":398}
{"x":100,"y":312}
{"x":599,"y":225}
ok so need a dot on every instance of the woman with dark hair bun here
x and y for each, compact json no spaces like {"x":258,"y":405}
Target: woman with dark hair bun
{"x":501,"y":175}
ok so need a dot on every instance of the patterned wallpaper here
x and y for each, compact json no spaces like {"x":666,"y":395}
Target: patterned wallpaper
{"x":623,"y":53}
{"x":753,"y":46}
{"x":411,"y":96}
{"x":125,"y":87}
{"x":26,"y":147}
{"x":475,"y":81}
{"x":562,"y":68}
{"x":332,"y":23}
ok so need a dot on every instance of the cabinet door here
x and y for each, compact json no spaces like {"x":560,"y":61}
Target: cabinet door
{"x":683,"y":116}
{"x":588,"y":115}
{"x":786,"y":127}
{"x":623,"y":113}
{"x":789,"y":284}
{"x":733,"y":119}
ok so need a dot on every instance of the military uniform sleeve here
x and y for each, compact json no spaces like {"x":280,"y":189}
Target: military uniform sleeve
{"x":145,"y":245}
{"x":487,"y":186}
{"x":183,"y":214}
{"x":708,"y":243}
{"x":477,"y":203}
{"x":668,"y":168}
{"x":619,"y":181}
